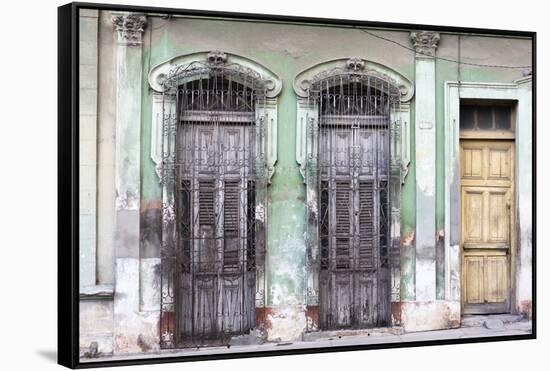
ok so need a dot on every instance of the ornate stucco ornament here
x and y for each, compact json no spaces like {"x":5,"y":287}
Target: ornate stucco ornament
{"x":425,"y":42}
{"x":216,"y":58}
{"x":168,"y":75}
{"x":215,"y":62}
{"x":355,"y":69}
{"x":355,"y":64}
{"x":129,"y":27}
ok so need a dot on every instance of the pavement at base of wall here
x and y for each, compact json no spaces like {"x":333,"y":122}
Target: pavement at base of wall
{"x":348,"y":338}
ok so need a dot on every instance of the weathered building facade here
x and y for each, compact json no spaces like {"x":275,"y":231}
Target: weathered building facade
{"x":240,"y":176}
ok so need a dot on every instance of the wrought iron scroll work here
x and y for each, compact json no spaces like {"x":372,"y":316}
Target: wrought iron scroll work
{"x":354,"y":73}
{"x":244,"y":108}
{"x":215,"y":64}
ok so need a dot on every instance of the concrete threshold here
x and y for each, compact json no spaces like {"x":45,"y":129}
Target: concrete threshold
{"x":476,"y":320}
{"x":338,"y":334}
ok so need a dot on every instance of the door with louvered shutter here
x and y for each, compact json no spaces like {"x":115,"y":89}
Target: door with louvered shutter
{"x":216,"y":225}
{"x":353,"y":224}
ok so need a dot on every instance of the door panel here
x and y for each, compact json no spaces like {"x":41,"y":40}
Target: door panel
{"x":353,"y":225}
{"x":499,"y":218}
{"x":473,"y":226}
{"x":497,"y":279}
{"x":499,"y":164}
{"x":487,"y":163}
{"x":342,"y":299}
{"x":487,"y":245}
{"x":475,"y":283}
{"x":216,"y":297}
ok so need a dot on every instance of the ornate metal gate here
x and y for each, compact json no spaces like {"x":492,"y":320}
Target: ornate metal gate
{"x":208,"y":288}
{"x":354,"y":176}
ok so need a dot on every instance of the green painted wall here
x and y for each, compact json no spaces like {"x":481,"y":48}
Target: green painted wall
{"x":287,"y":50}
{"x":286,"y":249}
{"x":150,"y":185}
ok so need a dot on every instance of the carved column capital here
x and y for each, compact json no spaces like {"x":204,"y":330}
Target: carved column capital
{"x":425,"y":42}
{"x":129,"y":27}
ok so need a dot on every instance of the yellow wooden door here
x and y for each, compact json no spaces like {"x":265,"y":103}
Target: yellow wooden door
{"x":487,"y":194}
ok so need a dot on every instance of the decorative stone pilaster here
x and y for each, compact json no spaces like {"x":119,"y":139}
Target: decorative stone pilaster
{"x":129,"y":27}
{"x":425,"y":44}
{"x":88,"y":132}
{"x":131,"y":326}
{"x":524,"y":170}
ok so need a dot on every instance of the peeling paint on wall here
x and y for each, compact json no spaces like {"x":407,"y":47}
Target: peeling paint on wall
{"x":433,"y":315}
{"x":526,"y":308}
{"x":408,"y":290}
{"x":287,"y":323}
{"x":150,"y":229}
{"x":396,"y":313}
{"x":440,"y":265}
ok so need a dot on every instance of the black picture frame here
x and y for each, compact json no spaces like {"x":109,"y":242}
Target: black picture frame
{"x":68,"y":182}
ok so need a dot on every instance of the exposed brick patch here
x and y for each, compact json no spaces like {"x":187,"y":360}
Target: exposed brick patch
{"x":396,"y":313}
{"x":312,"y":317}
{"x":167,"y":323}
{"x":408,"y":239}
{"x":262,"y":320}
{"x":526,"y":308}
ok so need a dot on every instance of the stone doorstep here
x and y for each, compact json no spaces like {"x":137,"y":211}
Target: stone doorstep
{"x":492,"y":320}
{"x":338,"y":334}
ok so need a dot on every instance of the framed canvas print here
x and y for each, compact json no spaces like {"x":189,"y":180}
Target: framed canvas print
{"x":239,"y":185}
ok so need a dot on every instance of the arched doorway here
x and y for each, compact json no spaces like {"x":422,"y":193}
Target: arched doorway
{"x":215,"y":197}
{"x":353,"y":203}
{"x":353,"y":121}
{"x":217,"y":112}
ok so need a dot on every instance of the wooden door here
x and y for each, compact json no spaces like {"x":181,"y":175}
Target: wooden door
{"x":216,"y":299}
{"x":487,"y":239}
{"x":354,"y":224}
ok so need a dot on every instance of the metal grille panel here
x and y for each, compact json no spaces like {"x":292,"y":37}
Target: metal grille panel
{"x":354,"y":168}
{"x":208,"y":276}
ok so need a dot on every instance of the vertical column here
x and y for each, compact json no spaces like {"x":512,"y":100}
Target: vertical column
{"x":266,"y":150}
{"x":285,"y":250}
{"x":88,"y":24}
{"x":425,"y":44}
{"x":452,"y":194}
{"x":397,"y":121}
{"x":308,"y":115}
{"x":168,"y":256}
{"x":129,"y":30}
{"x":524,"y":199}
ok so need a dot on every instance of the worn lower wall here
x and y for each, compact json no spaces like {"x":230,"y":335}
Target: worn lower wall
{"x":96,"y":326}
{"x":286,"y":244}
{"x":430,"y":315}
